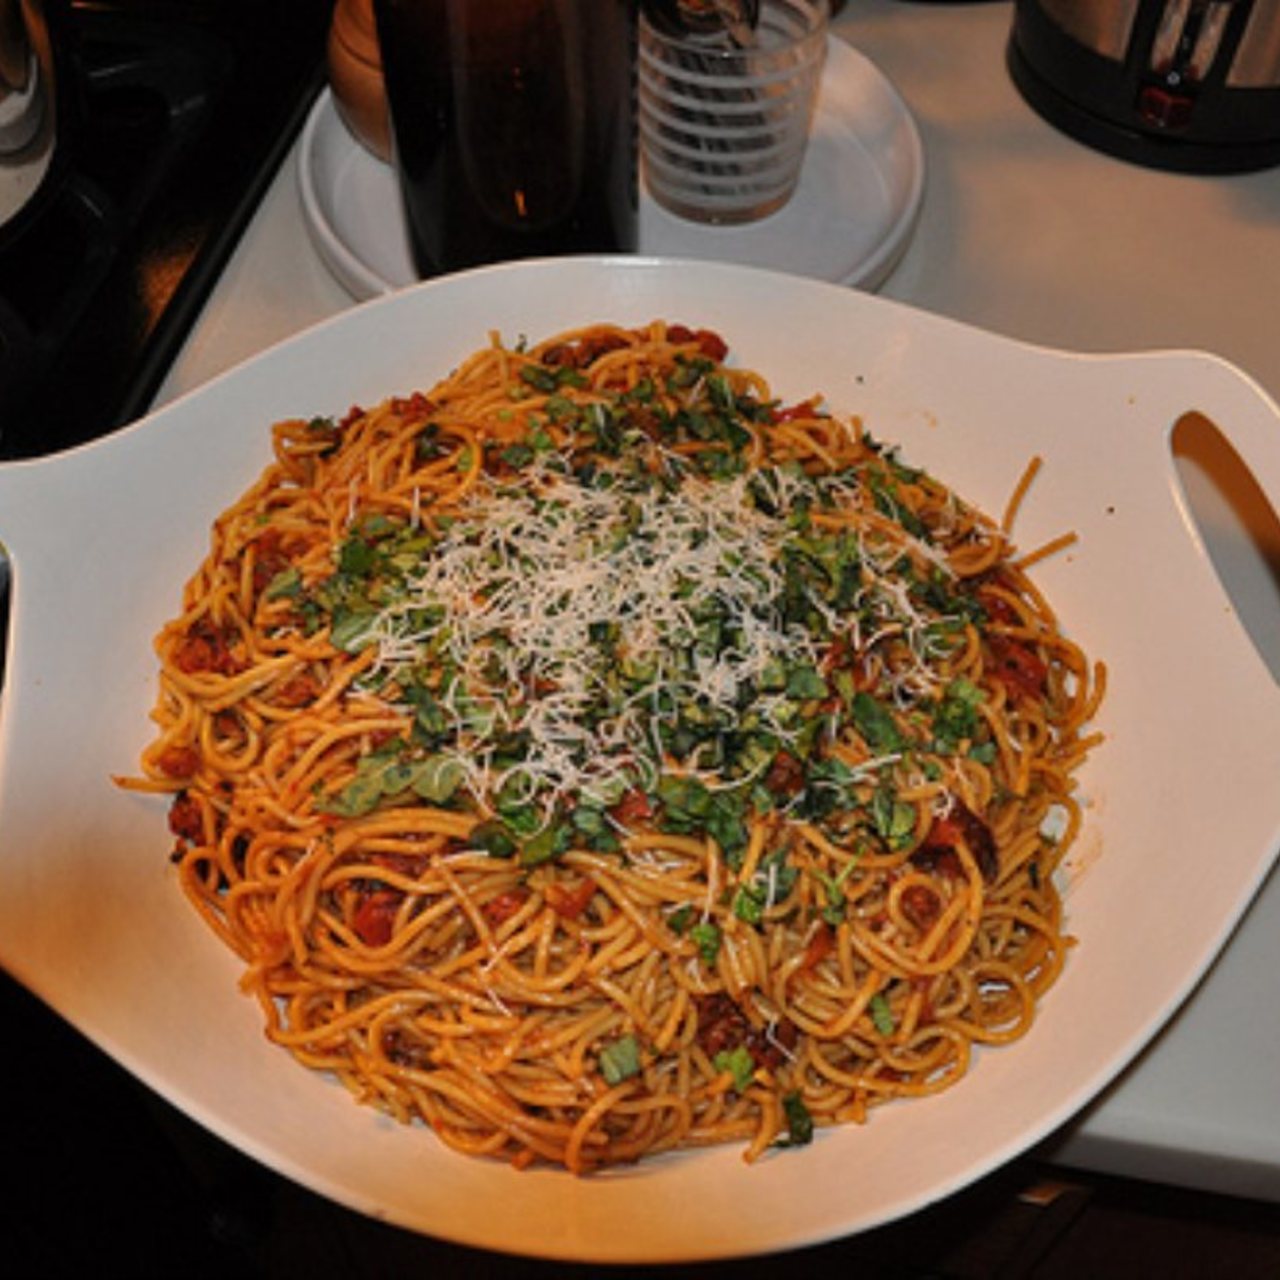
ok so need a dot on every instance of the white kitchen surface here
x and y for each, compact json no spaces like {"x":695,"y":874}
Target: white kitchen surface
{"x":1028,"y":233}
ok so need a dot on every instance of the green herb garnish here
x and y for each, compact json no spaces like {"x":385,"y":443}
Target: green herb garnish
{"x":799,"y":1121}
{"x":706,"y":936}
{"x":620,"y":1060}
{"x":739,"y":1063}
{"x":881,"y":1015}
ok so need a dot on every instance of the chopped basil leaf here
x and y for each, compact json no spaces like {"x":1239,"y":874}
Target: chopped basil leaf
{"x":436,"y":778}
{"x":748,"y":904}
{"x":881,"y":1014}
{"x":362,"y":794}
{"x":706,"y":936}
{"x":358,"y":797}
{"x":833,"y":887}
{"x":875,"y":722}
{"x":894,"y":821}
{"x":680,"y":919}
{"x":620,"y":1059}
{"x":956,"y":718}
{"x":495,"y":839}
{"x":352,"y":632}
{"x":288,"y":582}
{"x":799,"y":1121}
{"x":540,"y":379}
{"x":356,"y":557}
{"x":804,"y":682}
{"x":548,"y":844}
{"x":739,"y":1063}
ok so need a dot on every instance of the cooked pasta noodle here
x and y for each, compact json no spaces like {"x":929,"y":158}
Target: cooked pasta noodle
{"x":593,"y":756}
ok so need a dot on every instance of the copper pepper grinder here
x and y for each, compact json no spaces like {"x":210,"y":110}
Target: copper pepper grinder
{"x":355,"y":75}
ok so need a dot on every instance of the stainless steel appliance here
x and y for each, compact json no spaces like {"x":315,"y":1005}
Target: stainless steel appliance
{"x":1192,"y":85}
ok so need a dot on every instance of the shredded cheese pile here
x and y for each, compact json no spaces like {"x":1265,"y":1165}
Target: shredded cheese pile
{"x":524,"y":582}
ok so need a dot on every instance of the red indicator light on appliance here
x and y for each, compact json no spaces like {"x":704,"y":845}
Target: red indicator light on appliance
{"x":1164,"y":110}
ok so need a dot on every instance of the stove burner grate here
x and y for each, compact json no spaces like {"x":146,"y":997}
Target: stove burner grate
{"x":179,"y":115}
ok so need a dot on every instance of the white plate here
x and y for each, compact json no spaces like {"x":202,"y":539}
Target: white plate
{"x":850,"y":219}
{"x":1184,"y":816}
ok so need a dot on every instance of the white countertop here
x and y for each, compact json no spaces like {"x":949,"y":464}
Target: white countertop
{"x":1027,"y":233}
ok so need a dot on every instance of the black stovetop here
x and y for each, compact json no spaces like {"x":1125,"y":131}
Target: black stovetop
{"x":174,"y":117}
{"x":176,"y":114}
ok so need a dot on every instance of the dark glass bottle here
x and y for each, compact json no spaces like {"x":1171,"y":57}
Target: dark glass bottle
{"x":514,"y":126}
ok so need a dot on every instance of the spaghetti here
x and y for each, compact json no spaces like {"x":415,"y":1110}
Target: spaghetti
{"x":593,"y":757}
